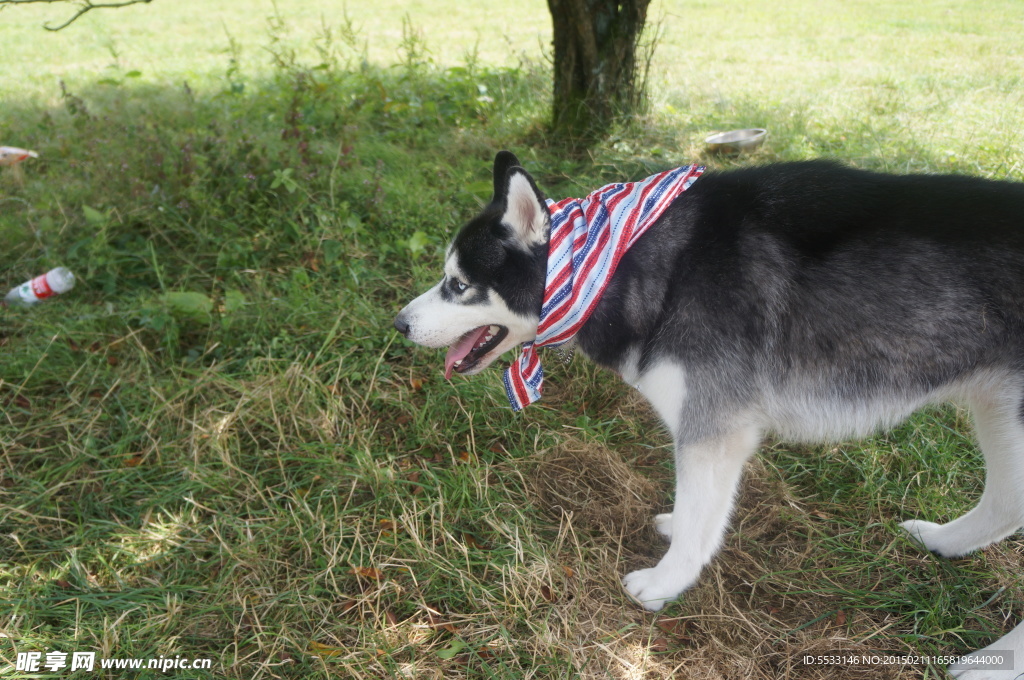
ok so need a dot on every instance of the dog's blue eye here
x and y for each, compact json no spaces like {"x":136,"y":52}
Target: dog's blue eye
{"x":459,"y":285}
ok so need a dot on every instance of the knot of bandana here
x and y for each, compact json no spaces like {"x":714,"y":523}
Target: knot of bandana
{"x":588,"y":238}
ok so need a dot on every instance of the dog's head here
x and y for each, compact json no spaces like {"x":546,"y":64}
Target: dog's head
{"x":490,"y":296}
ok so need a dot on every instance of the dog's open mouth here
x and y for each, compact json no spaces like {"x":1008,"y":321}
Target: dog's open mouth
{"x":467,"y":350}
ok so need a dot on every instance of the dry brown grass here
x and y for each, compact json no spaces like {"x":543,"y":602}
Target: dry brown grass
{"x":744,"y":618}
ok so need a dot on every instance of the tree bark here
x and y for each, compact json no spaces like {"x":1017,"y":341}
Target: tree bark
{"x":595,"y":63}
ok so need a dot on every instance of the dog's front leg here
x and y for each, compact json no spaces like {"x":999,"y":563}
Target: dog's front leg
{"x":707,"y":476}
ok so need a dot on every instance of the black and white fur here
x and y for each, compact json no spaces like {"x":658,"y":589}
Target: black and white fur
{"x":808,"y":299}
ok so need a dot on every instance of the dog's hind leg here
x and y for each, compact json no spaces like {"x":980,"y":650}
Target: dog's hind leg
{"x":707,"y":477}
{"x":999,"y":425}
{"x":984,"y":664}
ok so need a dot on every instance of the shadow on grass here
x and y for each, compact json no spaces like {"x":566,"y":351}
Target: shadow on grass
{"x":217,"y":183}
{"x":283,"y":485}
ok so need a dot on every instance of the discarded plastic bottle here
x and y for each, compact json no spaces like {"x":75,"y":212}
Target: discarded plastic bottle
{"x":12,"y":155}
{"x":59,"y":280}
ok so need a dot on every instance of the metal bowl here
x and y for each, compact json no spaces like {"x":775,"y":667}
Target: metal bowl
{"x":735,"y":141}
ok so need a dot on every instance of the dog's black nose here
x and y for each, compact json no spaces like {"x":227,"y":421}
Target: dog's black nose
{"x":401,"y":325}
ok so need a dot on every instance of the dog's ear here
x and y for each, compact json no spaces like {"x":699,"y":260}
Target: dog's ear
{"x":525,"y":210}
{"x":503,"y":162}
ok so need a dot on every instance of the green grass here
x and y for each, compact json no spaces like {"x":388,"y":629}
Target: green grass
{"x":216,"y":446}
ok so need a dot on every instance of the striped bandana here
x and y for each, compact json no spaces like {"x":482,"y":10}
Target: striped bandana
{"x":588,"y":238}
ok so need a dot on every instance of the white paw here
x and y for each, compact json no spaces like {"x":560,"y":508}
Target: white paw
{"x":931,"y":536}
{"x":920,"y":531}
{"x":652,"y":588}
{"x":663,"y":523}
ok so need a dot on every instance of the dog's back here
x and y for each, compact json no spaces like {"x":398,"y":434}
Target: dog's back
{"x":822,"y":301}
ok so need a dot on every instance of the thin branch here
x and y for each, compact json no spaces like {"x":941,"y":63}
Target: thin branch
{"x":85,"y":6}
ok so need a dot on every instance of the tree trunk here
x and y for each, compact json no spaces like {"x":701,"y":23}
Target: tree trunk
{"x":595,"y":63}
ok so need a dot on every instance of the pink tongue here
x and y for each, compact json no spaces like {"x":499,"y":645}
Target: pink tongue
{"x":460,"y":349}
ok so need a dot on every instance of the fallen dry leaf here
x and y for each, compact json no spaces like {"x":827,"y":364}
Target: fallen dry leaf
{"x":471,"y":542}
{"x":368,"y":572}
{"x":310,"y":259}
{"x":674,"y":627}
{"x":414,"y":478}
{"x":437,"y":623}
{"x":325,"y":651}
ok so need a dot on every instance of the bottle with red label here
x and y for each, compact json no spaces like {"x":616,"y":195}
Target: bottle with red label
{"x":59,"y":280}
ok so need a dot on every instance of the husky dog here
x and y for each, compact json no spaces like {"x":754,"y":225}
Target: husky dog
{"x":808,"y":299}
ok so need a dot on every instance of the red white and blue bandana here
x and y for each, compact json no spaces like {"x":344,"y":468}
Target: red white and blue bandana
{"x":588,"y":238}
